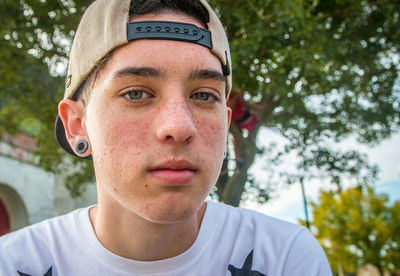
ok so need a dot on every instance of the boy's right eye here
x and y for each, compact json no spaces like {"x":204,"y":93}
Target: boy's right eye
{"x":137,"y":94}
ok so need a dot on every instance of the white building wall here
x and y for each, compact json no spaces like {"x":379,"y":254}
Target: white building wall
{"x":43,"y":194}
{"x":63,"y":203}
{"x":34,"y":186}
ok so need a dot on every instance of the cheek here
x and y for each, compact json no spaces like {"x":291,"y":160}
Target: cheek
{"x":213,"y":134}
{"x":115,"y":136}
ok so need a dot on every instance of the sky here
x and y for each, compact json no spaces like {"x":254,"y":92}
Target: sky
{"x":287,"y":202}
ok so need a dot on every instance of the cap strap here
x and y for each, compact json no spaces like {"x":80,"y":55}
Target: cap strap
{"x":169,"y":30}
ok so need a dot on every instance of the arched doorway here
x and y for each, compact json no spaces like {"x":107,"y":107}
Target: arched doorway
{"x":5,"y":226}
{"x":13,"y":213}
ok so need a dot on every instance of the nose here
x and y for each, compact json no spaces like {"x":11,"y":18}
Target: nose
{"x":176,"y":122}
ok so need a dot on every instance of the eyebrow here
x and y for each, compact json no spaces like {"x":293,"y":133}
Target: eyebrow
{"x":139,"y":72}
{"x":204,"y":74}
{"x":199,"y":74}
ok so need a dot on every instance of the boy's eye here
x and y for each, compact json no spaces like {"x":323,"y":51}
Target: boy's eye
{"x":202,"y":96}
{"x":136,"y":95}
{"x":205,"y":97}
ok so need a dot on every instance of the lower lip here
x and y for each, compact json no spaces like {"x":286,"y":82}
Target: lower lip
{"x":174,"y":177}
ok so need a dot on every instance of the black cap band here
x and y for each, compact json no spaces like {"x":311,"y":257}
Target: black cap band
{"x":169,"y":30}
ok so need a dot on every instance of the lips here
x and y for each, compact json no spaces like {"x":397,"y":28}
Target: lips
{"x":174,"y":172}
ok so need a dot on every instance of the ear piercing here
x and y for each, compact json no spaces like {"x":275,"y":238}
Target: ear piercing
{"x":82,"y":146}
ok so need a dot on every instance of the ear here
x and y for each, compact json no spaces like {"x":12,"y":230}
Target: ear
{"x":72,"y":115}
{"x":229,"y":115}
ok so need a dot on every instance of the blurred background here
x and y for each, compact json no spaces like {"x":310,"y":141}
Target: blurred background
{"x":314,"y":138}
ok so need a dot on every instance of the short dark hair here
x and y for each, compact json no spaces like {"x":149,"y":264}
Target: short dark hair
{"x":192,"y":8}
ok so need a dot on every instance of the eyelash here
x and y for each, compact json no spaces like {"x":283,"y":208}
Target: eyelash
{"x":215,"y":98}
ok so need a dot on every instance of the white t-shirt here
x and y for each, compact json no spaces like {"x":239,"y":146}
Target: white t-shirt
{"x":231,"y":241}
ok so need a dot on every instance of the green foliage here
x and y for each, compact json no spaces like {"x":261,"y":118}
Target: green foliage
{"x":357,"y":227}
{"x":325,"y":70}
{"x":35,"y":37}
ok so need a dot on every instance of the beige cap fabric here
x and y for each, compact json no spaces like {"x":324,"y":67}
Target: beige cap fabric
{"x":103,"y":28}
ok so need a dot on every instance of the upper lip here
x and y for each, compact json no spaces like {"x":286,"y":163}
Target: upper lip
{"x":175,"y":165}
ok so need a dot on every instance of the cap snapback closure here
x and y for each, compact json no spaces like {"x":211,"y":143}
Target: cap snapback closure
{"x":169,"y":30}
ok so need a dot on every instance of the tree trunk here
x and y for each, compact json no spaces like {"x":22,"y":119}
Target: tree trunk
{"x":234,"y":188}
{"x":223,"y":179}
{"x":231,"y":188}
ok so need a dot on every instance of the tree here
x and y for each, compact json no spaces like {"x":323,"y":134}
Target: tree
{"x":325,"y":70}
{"x":358,"y":227}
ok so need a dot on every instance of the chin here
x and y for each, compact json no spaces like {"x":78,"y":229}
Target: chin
{"x":170,"y":211}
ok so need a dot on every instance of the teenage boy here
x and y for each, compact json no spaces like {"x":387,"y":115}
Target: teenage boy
{"x":145,"y":99}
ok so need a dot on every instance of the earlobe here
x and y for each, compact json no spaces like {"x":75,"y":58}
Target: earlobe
{"x":82,"y":147}
{"x":72,"y":113}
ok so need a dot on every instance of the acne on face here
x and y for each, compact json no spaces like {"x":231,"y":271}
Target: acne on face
{"x":129,"y":137}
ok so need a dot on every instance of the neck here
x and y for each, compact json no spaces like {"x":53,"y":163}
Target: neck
{"x":134,"y":237}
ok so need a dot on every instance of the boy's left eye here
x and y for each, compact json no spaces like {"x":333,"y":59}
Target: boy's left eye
{"x":204,"y":96}
{"x":136,"y":94}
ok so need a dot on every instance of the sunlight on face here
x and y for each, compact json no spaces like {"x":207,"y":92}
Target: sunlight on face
{"x":157,"y":122}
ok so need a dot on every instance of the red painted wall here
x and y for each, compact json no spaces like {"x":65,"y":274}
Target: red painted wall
{"x":4,"y":220}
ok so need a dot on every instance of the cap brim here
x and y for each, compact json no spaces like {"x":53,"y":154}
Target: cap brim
{"x":62,"y":139}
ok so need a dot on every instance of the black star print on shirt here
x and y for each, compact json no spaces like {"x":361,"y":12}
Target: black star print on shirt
{"x":48,"y":273}
{"x":246,"y":269}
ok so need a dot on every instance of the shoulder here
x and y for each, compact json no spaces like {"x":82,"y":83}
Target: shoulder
{"x":306,"y":256}
{"x":268,"y":240}
{"x":35,"y":245}
{"x":41,"y":231}
{"x":254,"y":229}
{"x":257,"y":222}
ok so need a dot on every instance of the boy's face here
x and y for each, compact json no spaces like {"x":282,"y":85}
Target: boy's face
{"x":157,"y":123}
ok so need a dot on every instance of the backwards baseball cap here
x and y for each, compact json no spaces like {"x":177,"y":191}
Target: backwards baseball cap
{"x":105,"y":26}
